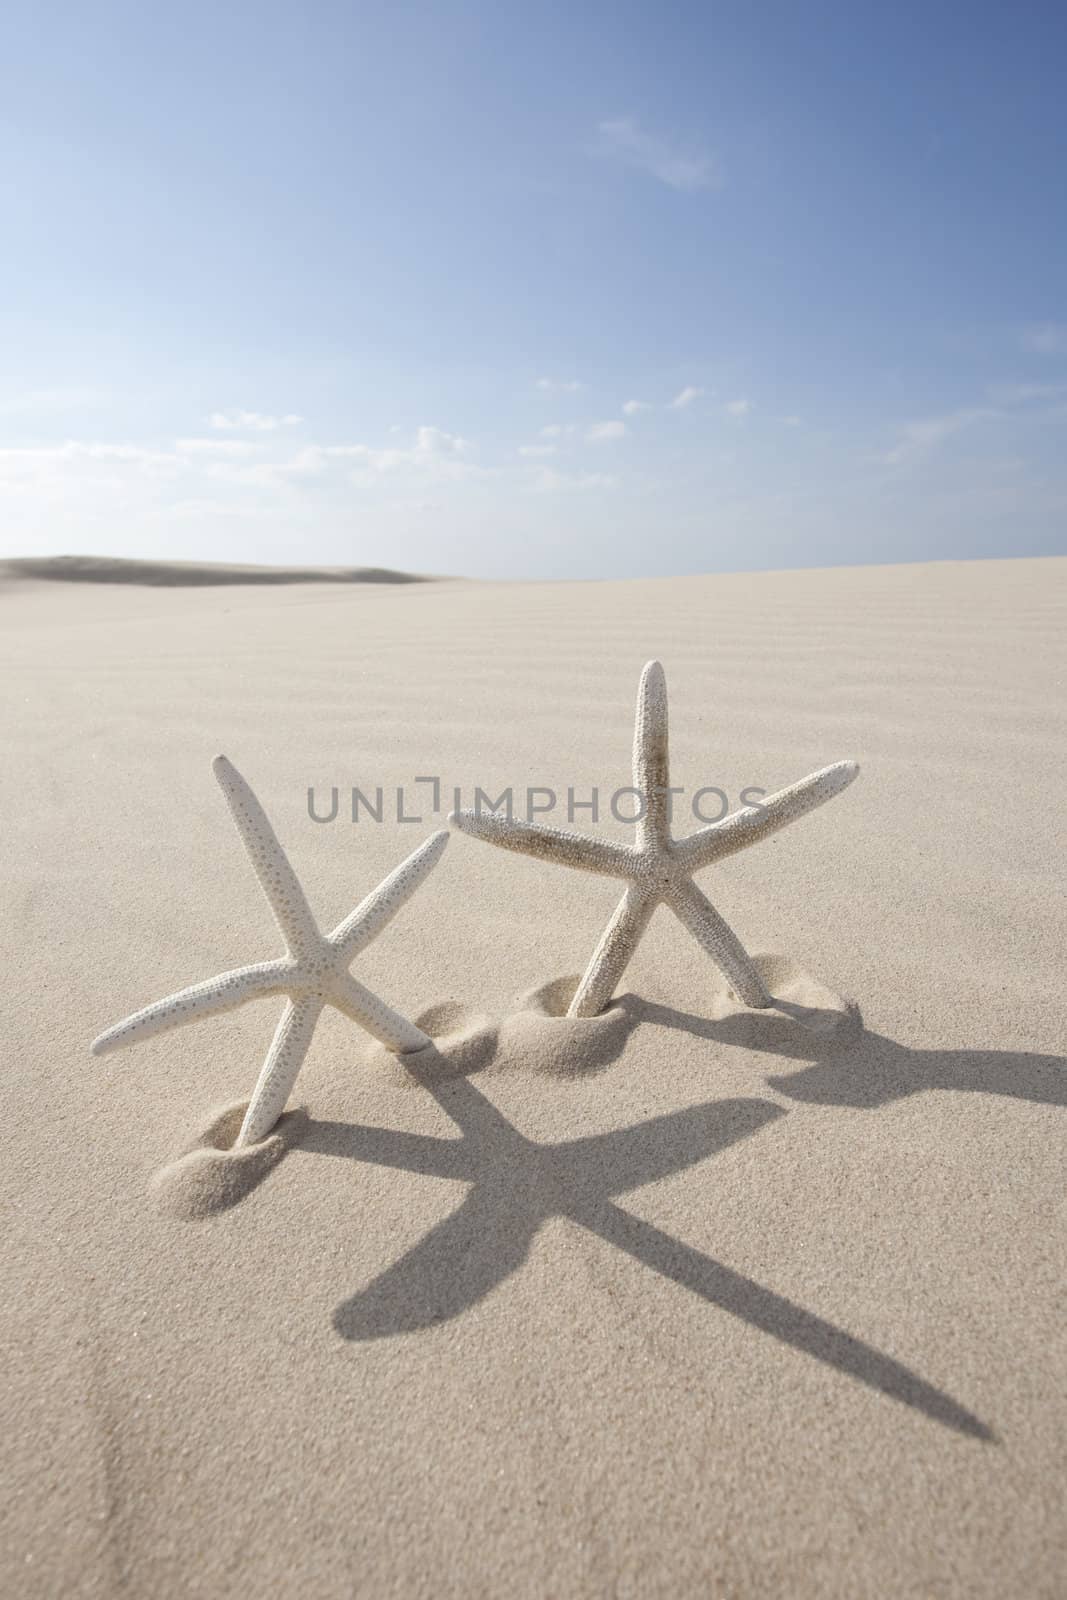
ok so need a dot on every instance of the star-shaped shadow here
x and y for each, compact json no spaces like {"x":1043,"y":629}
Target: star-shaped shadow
{"x":517,"y":1185}
{"x":865,"y":1070}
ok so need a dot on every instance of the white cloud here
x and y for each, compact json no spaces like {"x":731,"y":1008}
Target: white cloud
{"x":919,"y":439}
{"x":791,"y":422}
{"x":307,"y":463}
{"x":310,"y":462}
{"x":549,"y":481}
{"x":1021,"y":394}
{"x":1015,"y":404}
{"x":435,"y":442}
{"x":739,"y":408}
{"x":555,"y":385}
{"x":52,"y":402}
{"x":216,"y":447}
{"x":1047,"y":339}
{"x":606,"y":430}
{"x":200,"y":508}
{"x":685,"y":398}
{"x":75,"y":455}
{"x":632,"y":407}
{"x":537,"y":450}
{"x":678,"y":167}
{"x":253,"y":421}
{"x":433,"y":453}
{"x":81,"y":494}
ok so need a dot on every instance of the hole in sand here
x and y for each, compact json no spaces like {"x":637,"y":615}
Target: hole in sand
{"x":551,"y":999}
{"x":462,"y":1042}
{"x":803,"y":999}
{"x":211,"y":1176}
{"x":538,"y":1036}
{"x":804,"y":1016}
{"x":541,"y":1037}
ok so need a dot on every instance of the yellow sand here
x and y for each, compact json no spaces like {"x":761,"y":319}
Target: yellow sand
{"x":694,"y":1303}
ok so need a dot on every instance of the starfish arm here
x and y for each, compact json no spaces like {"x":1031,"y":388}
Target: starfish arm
{"x":284,"y":1060}
{"x":612,"y":955}
{"x":383,"y":903}
{"x":208,"y":999}
{"x":651,"y":757}
{"x":270,"y":863}
{"x":696,"y":912}
{"x":394,"y":1031}
{"x":756,"y":822}
{"x":550,"y":844}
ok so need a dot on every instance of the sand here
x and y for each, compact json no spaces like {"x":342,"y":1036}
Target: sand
{"x":677,"y":1300}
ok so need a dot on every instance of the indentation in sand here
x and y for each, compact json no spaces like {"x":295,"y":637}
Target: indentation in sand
{"x":796,"y":997}
{"x":538,"y":1035}
{"x":462,"y":1042}
{"x":211,"y":1176}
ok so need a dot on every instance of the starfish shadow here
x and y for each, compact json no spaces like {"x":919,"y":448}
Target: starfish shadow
{"x":517,"y":1185}
{"x":863,"y":1069}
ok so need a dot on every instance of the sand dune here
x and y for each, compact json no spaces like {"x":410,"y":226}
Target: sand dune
{"x":678,"y":1300}
{"x":186,"y":574}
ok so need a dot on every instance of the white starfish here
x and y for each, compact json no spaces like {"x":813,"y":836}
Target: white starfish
{"x":658,"y":868}
{"x":314,"y":972}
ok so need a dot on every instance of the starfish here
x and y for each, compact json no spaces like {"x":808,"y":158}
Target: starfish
{"x":313,"y":972}
{"x":658,"y":868}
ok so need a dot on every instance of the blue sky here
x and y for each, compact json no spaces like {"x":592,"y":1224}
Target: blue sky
{"x":531,"y":291}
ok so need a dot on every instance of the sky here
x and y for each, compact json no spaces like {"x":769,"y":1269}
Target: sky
{"x":539,"y":290}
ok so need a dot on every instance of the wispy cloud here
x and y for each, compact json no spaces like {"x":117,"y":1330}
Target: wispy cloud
{"x":1012,"y":404}
{"x":53,"y":402}
{"x":920,"y":439}
{"x":632,"y":407}
{"x":537,"y":450}
{"x":432,"y":454}
{"x":1025,"y":394}
{"x":216,"y":447}
{"x":1046,"y":339}
{"x":606,"y":430}
{"x":435,"y":441}
{"x":310,"y":462}
{"x":559,"y":385}
{"x":74,"y":456}
{"x":549,"y":481}
{"x":433,"y":448}
{"x":678,"y":166}
{"x":739,"y":408}
{"x":252,"y":421}
{"x":791,"y":422}
{"x":685,"y":398}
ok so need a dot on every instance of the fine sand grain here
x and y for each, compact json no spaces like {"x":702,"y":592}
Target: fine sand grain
{"x":677,"y":1300}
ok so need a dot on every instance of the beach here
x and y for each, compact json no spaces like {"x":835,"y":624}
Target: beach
{"x":688,"y":1300}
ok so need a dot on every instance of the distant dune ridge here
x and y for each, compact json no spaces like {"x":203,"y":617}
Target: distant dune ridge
{"x":189,"y":574}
